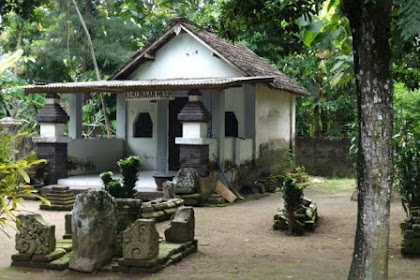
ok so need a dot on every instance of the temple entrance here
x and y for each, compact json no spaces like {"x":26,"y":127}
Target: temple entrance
{"x":175,"y":130}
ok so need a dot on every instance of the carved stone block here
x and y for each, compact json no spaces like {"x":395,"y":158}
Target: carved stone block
{"x":141,"y":240}
{"x":35,"y":236}
{"x":182,"y":226}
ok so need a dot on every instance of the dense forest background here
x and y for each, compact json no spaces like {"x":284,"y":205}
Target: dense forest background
{"x":310,"y":41}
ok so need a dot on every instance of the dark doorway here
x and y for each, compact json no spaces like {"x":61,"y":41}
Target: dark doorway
{"x":175,"y":130}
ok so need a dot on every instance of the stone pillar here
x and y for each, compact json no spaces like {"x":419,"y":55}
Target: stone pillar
{"x":121,"y":116}
{"x":194,"y":144}
{"x":218,"y":122}
{"x":75,"y":108}
{"x":52,"y":144}
{"x":162,"y":135}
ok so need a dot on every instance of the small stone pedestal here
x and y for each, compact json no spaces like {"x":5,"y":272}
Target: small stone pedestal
{"x":61,"y":198}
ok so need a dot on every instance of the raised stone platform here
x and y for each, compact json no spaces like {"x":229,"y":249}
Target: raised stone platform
{"x":169,"y":253}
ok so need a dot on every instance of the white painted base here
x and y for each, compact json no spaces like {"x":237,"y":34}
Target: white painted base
{"x":51,"y":139}
{"x":192,"y":141}
{"x":51,"y":129}
{"x":194,"y":130}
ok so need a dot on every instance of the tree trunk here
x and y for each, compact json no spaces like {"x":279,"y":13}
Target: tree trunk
{"x":95,"y":65}
{"x":370,"y":24}
{"x":18,"y":46}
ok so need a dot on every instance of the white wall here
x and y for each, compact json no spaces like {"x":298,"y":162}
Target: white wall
{"x":273,"y":116}
{"x":234,"y":102}
{"x":144,"y":147}
{"x":103,"y":153}
{"x":185,"y":57}
{"x":244,"y":149}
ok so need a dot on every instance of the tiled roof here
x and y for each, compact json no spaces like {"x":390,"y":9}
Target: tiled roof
{"x":235,"y":53}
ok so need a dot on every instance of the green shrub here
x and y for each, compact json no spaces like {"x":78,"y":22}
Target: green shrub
{"x":407,"y":167}
{"x":292,"y":197}
{"x":14,"y":179}
{"x":299,"y":173}
{"x":124,"y":188}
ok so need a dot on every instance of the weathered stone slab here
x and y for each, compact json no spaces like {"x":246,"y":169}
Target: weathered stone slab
{"x":66,"y":244}
{"x":154,"y":269}
{"x":182,"y":226}
{"x":21,"y":257}
{"x":59,"y":188}
{"x":35,"y":236}
{"x":55,"y":207}
{"x":144,"y":263}
{"x":188,"y":181}
{"x":61,"y":263}
{"x":94,"y":230}
{"x":58,"y":253}
{"x":141,"y":240}
{"x":41,"y":265}
{"x":194,"y":199}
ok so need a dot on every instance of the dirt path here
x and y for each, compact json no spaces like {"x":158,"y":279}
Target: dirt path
{"x":237,"y":242}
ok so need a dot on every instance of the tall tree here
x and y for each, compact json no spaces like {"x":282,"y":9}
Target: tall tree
{"x":370,"y":23}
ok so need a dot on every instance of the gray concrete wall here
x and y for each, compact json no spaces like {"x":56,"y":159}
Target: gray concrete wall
{"x":324,"y":156}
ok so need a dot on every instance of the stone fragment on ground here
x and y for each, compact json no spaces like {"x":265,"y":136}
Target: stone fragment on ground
{"x":410,"y":231}
{"x":182,"y":227}
{"x":216,"y":198}
{"x":94,"y":230}
{"x":168,"y":190}
{"x":306,"y":215}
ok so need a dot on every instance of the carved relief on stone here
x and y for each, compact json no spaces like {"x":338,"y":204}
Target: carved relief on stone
{"x":35,"y":236}
{"x":141,"y":240}
{"x":188,"y":181}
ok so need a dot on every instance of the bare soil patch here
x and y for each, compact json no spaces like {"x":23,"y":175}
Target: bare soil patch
{"x":238,"y":242}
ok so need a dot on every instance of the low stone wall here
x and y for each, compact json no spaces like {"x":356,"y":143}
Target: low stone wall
{"x":324,"y":156}
{"x":160,"y":210}
{"x":94,"y":155}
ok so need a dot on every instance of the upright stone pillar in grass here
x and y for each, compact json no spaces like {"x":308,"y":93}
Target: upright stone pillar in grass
{"x":194,"y":144}
{"x":94,"y":230}
{"x":52,"y":144}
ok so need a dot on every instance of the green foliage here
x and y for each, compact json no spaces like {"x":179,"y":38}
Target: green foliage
{"x":13,"y":102}
{"x":407,"y":144}
{"x":299,"y":173}
{"x":272,"y":183}
{"x":409,"y":22}
{"x":14,"y":179}
{"x":124,"y":188}
{"x":292,"y":197}
{"x":268,"y":27}
{"x":407,"y":167}
{"x":130,"y":168}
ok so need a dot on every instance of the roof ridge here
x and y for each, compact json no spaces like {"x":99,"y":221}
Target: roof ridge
{"x":234,"y":53}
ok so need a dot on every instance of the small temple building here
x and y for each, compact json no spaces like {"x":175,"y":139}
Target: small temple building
{"x":184,"y":97}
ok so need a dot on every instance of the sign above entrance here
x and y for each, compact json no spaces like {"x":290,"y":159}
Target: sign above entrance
{"x":150,"y":95}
